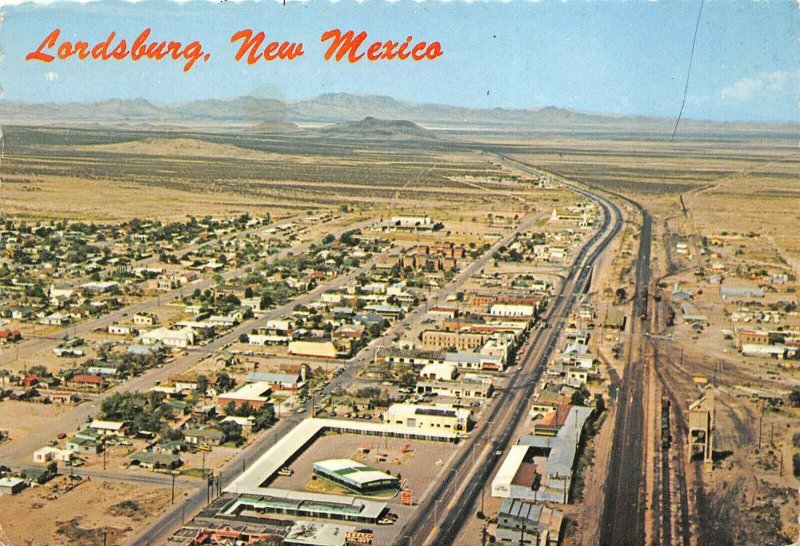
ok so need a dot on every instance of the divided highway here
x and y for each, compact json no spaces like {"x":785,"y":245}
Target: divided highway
{"x":463,"y":483}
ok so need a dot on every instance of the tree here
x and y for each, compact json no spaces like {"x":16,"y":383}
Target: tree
{"x":243,"y":338}
{"x":38,"y":370}
{"x":579,"y":397}
{"x":232,"y":431}
{"x":621,"y":295}
{"x":599,"y":403}
{"x":225,"y":382}
{"x":264,"y":418}
{"x":794,"y":397}
{"x":202,"y":384}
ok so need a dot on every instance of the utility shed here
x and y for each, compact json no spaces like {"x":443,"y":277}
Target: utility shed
{"x":11,"y":486}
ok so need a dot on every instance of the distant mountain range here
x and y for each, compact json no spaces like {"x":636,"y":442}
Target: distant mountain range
{"x":270,"y":115}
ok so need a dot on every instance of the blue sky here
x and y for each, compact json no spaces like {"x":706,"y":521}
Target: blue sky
{"x":614,"y":57}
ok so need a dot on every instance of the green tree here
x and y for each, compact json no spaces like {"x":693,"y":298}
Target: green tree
{"x":794,"y":397}
{"x":232,"y":431}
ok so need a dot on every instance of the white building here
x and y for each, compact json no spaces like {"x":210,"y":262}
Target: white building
{"x":439,"y":372}
{"x":512,"y":310}
{"x":109,"y":428}
{"x":46,"y":454}
{"x":172,"y":338}
{"x":121,"y":330}
{"x":428,"y":416}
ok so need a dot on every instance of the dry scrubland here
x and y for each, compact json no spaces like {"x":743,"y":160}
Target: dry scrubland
{"x":734,"y":185}
{"x":100,"y":175}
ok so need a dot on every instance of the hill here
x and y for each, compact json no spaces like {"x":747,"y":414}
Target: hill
{"x":382,"y":129}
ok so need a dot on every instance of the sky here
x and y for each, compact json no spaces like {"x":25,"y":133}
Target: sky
{"x":611,"y":57}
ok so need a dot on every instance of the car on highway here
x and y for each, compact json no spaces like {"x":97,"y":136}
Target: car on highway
{"x":301,"y":409}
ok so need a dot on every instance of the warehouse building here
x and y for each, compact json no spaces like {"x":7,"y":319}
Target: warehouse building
{"x":355,"y":476}
{"x":521,"y":522}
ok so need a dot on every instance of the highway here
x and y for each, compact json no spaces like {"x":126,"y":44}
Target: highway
{"x":623,"y":517}
{"x":465,"y":479}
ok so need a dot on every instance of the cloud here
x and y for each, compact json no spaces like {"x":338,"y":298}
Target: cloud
{"x":51,"y":76}
{"x":766,"y":86}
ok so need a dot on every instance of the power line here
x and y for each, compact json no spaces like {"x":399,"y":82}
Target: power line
{"x":689,"y":71}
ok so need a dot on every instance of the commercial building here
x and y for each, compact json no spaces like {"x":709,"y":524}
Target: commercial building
{"x":521,"y":522}
{"x":312,"y":533}
{"x":251,"y":482}
{"x":461,"y":341}
{"x":355,"y":476}
{"x":314,"y":348}
{"x":171,"y":338}
{"x":278,"y":381}
{"x":463,"y":388}
{"x":255,"y":394}
{"x":512,"y":310}
{"x":434,"y":416}
{"x":554,"y":449}
{"x":517,"y":477}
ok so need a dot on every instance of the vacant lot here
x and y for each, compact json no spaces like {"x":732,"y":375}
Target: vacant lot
{"x":47,"y":515}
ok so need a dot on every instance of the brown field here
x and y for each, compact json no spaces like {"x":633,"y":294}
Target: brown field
{"x":48,"y":516}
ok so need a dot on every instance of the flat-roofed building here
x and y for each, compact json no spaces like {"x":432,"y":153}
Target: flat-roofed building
{"x":356,"y":476}
{"x":256,"y":394}
{"x":172,"y":338}
{"x":461,"y":341}
{"x":434,"y":416}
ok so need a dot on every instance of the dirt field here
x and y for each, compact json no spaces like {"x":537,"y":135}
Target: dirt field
{"x":35,"y":518}
{"x":20,"y":418}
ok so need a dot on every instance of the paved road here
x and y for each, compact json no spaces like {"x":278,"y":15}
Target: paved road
{"x":622,"y":522}
{"x":32,"y":345}
{"x":19,"y":450}
{"x":461,"y":487}
{"x":169,"y":522}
